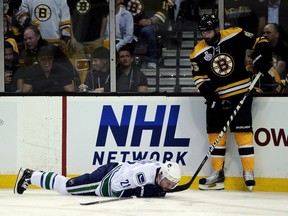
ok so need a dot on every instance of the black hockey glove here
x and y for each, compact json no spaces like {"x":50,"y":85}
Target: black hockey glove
{"x":261,"y":65}
{"x":219,"y":104}
{"x":145,"y":191}
{"x":153,"y":191}
{"x":226,"y":104}
{"x":262,"y":57}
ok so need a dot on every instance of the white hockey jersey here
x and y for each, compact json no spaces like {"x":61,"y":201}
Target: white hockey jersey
{"x":52,"y":16}
{"x":129,"y":175}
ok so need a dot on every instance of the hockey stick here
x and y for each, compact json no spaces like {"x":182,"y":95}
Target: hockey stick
{"x":106,"y":201}
{"x":212,"y":147}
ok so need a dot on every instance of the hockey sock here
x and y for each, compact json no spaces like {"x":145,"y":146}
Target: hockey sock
{"x":50,"y":181}
{"x":245,"y":149}
{"x":218,"y":154}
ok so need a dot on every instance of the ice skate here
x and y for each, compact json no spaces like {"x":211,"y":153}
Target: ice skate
{"x":23,"y":180}
{"x":214,"y":182}
{"x":249,"y":179}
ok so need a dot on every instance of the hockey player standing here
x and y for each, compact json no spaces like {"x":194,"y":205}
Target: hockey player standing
{"x":218,"y":69}
{"x":143,"y":178}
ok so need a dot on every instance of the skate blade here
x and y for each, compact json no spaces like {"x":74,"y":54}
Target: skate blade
{"x":215,"y":186}
{"x":19,"y":175}
{"x":250,"y":188}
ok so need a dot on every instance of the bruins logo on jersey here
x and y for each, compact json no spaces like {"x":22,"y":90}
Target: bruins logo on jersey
{"x":43,"y":12}
{"x":222,"y":64}
{"x":136,"y":7}
{"x":83,"y":6}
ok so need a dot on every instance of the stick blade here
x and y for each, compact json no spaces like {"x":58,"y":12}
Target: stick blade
{"x":105,"y":201}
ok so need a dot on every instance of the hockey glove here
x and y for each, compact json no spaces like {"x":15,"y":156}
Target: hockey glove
{"x":145,"y":191}
{"x":220,"y":104}
{"x":226,"y":104}
{"x":262,"y":56}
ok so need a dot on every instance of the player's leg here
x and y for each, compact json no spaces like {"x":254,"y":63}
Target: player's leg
{"x":46,"y":180}
{"x":242,"y":128}
{"x":246,"y":153}
{"x":216,"y":119}
{"x":216,"y":180}
{"x":86,"y":184}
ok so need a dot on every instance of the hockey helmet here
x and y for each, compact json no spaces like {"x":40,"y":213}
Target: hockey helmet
{"x":208,"y":22}
{"x":170,"y":171}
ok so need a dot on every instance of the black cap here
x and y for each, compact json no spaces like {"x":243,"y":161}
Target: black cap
{"x":101,"y":53}
{"x":47,"y":50}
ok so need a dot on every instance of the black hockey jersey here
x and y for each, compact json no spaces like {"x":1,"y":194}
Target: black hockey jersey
{"x":220,"y":70}
{"x":86,"y":17}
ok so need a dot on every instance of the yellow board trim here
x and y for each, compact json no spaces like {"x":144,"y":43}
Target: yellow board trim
{"x":231,"y":183}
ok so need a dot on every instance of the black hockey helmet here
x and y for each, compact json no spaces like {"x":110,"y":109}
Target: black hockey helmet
{"x":208,"y":22}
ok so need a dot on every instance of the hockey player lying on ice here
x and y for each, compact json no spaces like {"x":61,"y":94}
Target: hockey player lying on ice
{"x":143,"y":178}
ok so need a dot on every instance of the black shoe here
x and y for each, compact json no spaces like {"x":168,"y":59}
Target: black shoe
{"x":214,"y":182}
{"x":24,"y":181}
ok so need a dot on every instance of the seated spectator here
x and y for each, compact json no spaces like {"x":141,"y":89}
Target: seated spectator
{"x":148,"y":15}
{"x":47,"y":76}
{"x":52,"y":19}
{"x":276,"y":12}
{"x":98,"y":80}
{"x":129,"y":76}
{"x":33,"y":41}
{"x":124,"y":26}
{"x":272,"y":32}
{"x":10,"y":65}
{"x":12,"y":28}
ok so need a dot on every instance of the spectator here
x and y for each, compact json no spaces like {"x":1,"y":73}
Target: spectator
{"x":52,"y":18}
{"x":33,"y":42}
{"x":12,"y":29}
{"x":89,"y":20}
{"x":272,"y":32}
{"x":276,"y":12}
{"x":129,"y":77}
{"x":47,"y":76}
{"x":10,"y":65}
{"x":124,"y":26}
{"x":148,"y":15}
{"x":98,"y":80}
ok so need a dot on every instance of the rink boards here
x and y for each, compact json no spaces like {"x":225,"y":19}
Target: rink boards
{"x":73,"y":135}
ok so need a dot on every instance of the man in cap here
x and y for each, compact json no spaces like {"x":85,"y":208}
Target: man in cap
{"x":98,"y":80}
{"x":47,"y":76}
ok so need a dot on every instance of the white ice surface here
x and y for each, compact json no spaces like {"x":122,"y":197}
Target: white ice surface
{"x":39,"y":202}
